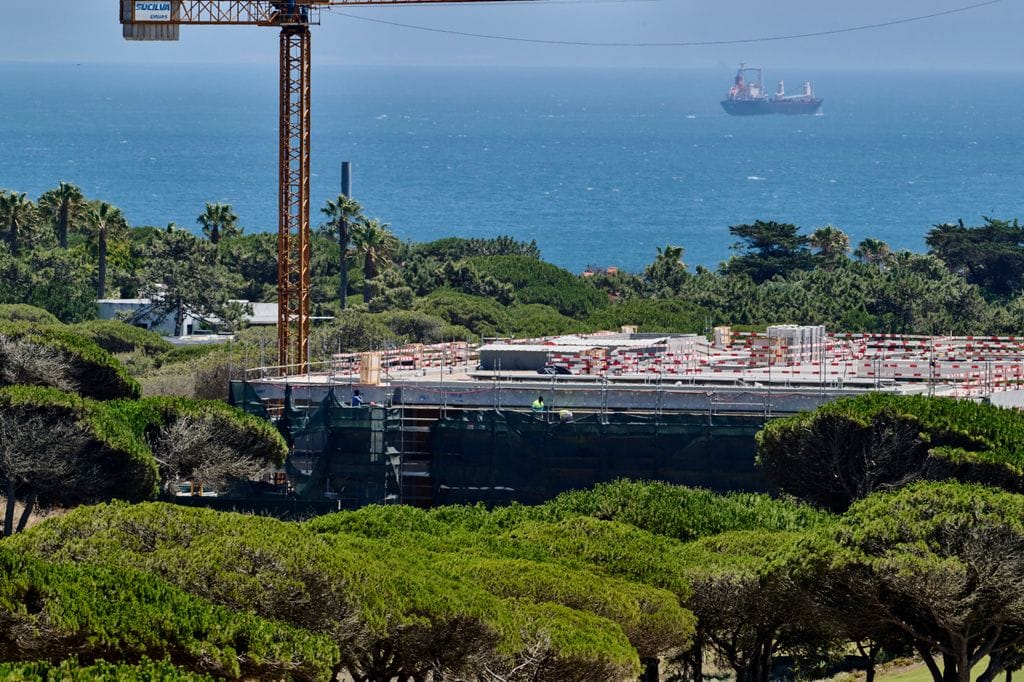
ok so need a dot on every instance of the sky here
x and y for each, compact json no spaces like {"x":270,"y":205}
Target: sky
{"x":985,"y":38}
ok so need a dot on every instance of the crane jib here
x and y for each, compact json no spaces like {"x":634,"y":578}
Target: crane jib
{"x":243,"y":12}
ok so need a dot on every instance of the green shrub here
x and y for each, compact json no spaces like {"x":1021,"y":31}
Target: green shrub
{"x":414,"y":327}
{"x":456,"y":332}
{"x":354,"y":331}
{"x":671,"y":315}
{"x":684,"y":513}
{"x":582,"y":644}
{"x":118,"y":337}
{"x":72,"y":671}
{"x":177,"y":354}
{"x":652,"y":618}
{"x":535,"y":281}
{"x":533,"y":320}
{"x":59,"y":610}
{"x":481,"y":316}
{"x":518,"y":532}
{"x":19,"y":312}
{"x":457,"y":248}
{"x":849,"y":448}
{"x":96,"y":373}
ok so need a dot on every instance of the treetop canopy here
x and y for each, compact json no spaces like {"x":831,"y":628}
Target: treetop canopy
{"x":21,"y":312}
{"x":60,"y":610}
{"x":114,"y":461}
{"x":849,"y":448}
{"x":685,"y":513}
{"x":114,"y":336}
{"x":94,"y":371}
{"x":372,"y":595}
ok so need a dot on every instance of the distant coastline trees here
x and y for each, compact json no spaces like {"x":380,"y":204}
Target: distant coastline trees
{"x":375,"y":245}
{"x":990,"y":255}
{"x":832,"y":245}
{"x":17,"y":213}
{"x":182,"y":275}
{"x":767,"y":249}
{"x":64,"y":205}
{"x":873,"y":252}
{"x":219,"y":221}
{"x":344,"y":215}
{"x":668,"y":271}
{"x":103,"y":223}
{"x":964,"y":285}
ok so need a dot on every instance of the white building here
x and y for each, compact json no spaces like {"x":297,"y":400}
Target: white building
{"x":135,"y":311}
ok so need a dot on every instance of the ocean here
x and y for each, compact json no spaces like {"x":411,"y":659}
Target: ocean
{"x":601,"y":167}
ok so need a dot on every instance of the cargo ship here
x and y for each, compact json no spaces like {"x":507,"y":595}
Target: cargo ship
{"x":747,"y":97}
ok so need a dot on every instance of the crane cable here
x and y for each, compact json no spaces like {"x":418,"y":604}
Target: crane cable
{"x":695,"y":43}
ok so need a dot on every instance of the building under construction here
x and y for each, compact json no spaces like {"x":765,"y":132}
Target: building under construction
{"x":454,"y":423}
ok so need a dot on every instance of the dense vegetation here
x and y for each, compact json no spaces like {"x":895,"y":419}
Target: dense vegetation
{"x":594,"y":585}
{"x":59,"y":449}
{"x":890,"y":546}
{"x":591,"y":586}
{"x":63,"y":250}
{"x":544,"y":592}
{"x":850,"y":448}
{"x":53,"y":611}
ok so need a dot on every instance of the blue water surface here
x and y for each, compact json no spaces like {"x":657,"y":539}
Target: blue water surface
{"x":599,"y":166}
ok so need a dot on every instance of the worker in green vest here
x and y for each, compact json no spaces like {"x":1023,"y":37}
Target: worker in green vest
{"x":538,"y":404}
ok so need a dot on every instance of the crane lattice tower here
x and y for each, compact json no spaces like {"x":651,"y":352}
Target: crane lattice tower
{"x":161,"y":20}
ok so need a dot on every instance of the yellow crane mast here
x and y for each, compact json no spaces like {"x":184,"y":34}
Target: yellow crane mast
{"x":160,"y":20}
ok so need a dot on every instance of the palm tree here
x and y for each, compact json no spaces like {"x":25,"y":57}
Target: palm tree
{"x":342,"y":214}
{"x":668,"y":271}
{"x":376,"y":245}
{"x":64,"y":206}
{"x":17,"y":212}
{"x":218,"y":221}
{"x":832,"y":244}
{"x":873,"y":251}
{"x":104,"y":221}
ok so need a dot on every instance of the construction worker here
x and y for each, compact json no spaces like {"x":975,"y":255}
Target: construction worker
{"x":538,"y":404}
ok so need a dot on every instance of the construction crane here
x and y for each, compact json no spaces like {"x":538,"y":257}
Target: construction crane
{"x":160,"y":20}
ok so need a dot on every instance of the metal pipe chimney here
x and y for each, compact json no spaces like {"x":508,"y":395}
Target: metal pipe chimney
{"x":346,"y":178}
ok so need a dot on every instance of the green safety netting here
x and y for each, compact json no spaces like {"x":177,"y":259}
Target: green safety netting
{"x":367,"y":455}
{"x":243,"y":396}
{"x":502,"y":457}
{"x":337,"y":452}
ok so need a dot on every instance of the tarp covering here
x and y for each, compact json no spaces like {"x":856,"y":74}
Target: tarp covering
{"x":242,"y":395}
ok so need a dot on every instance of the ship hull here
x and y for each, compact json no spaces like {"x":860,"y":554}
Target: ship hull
{"x":736,"y":107}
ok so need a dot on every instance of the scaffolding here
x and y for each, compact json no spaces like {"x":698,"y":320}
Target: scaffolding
{"x":426,"y":455}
